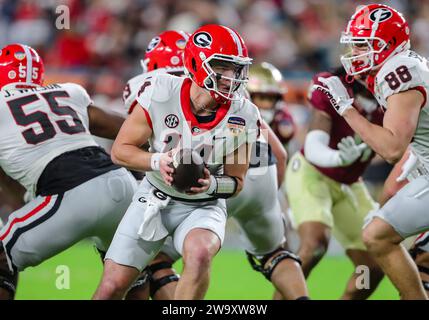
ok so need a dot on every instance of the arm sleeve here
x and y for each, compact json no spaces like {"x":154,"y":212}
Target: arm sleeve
{"x":318,"y":152}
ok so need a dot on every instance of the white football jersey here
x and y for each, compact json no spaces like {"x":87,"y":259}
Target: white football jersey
{"x":133,"y":87}
{"x":165,"y":99}
{"x":403,"y":72}
{"x":39,"y":124}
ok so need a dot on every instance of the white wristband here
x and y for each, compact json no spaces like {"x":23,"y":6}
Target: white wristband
{"x":154,"y":161}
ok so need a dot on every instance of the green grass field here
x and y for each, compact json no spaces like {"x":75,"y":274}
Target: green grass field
{"x":232,"y":278}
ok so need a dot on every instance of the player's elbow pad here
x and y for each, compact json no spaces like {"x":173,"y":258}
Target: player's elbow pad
{"x":318,"y":152}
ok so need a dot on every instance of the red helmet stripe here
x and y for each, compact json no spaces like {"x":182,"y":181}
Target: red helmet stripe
{"x":236,"y":39}
{"x":29,"y":63}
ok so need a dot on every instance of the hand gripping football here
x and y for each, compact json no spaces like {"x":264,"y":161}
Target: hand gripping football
{"x":188,"y":168}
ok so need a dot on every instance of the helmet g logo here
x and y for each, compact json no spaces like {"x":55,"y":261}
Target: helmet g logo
{"x":203,"y":39}
{"x":380,"y":15}
{"x":153,"y":43}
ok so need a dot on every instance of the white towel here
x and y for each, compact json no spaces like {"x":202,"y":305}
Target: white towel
{"x":152,"y":228}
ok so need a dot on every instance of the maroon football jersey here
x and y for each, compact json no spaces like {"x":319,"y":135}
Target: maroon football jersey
{"x":341,"y":129}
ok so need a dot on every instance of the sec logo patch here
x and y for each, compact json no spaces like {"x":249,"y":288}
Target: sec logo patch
{"x":171,"y":121}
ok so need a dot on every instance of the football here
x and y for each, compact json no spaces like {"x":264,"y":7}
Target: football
{"x":188,"y":168}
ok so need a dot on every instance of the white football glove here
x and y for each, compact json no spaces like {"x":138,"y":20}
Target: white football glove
{"x":409,"y":166}
{"x":349,"y":151}
{"x":337,"y":93}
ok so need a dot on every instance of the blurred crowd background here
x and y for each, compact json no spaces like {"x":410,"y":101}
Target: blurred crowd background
{"x":107,"y":38}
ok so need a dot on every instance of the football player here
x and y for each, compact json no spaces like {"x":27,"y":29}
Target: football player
{"x":407,"y":169}
{"x":266,"y":92}
{"x":258,"y":215}
{"x":76,"y":190}
{"x":420,"y":253}
{"x":379,"y":41}
{"x":164,"y":55}
{"x":325,"y":190}
{"x":257,"y":208}
{"x":204,"y":112}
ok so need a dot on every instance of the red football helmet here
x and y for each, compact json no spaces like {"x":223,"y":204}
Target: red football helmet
{"x":212,"y":45}
{"x":374,"y":33}
{"x":20,"y":64}
{"x":166,"y":51}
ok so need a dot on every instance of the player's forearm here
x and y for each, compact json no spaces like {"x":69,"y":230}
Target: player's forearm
{"x":318,"y":152}
{"x":131,"y":157}
{"x":281,"y":172}
{"x":237,"y":164}
{"x":278,"y":149}
{"x":238,"y":172}
{"x":104,"y":124}
{"x":378,"y":138}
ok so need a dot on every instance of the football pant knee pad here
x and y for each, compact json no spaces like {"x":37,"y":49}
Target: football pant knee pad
{"x":156,"y":284}
{"x":259,"y":263}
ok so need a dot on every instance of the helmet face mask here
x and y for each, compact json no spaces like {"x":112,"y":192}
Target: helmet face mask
{"x":218,"y":67}
{"x":267,"y":104}
{"x":362,"y":61}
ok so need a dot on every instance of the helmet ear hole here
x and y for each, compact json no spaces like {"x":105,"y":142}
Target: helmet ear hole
{"x":194,"y":65}
{"x":155,"y":66}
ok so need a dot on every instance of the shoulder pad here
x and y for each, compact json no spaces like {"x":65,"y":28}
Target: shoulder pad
{"x":77,"y":93}
{"x":400,"y":73}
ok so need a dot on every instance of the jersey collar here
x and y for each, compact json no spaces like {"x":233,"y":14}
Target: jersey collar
{"x":185,"y":101}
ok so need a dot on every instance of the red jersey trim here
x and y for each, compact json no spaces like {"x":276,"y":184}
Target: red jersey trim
{"x":419,"y":237}
{"x":185,"y":101}
{"x":149,"y":120}
{"x":132,"y":106}
{"x":27,"y":216}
